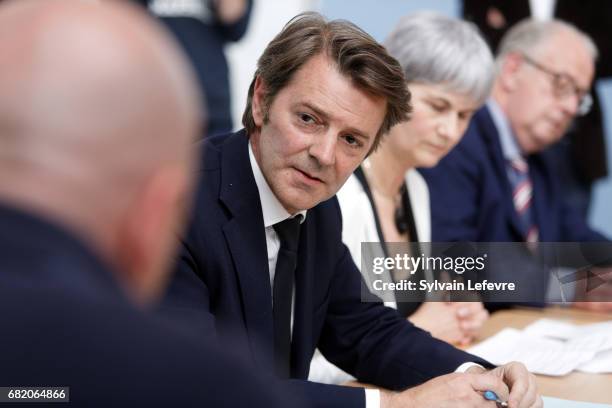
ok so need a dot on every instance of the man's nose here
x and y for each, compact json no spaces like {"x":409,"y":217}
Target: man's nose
{"x":570,"y":103}
{"x":324,"y":149}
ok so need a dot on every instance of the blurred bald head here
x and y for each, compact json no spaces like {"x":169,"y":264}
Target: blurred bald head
{"x":98,"y":111}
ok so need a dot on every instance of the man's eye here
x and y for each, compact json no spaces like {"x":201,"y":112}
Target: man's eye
{"x":564,"y":86}
{"x":352,"y":140}
{"x":306,"y":118}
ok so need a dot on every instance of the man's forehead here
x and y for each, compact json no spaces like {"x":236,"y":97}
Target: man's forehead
{"x":567,"y":53}
{"x":320,"y":86}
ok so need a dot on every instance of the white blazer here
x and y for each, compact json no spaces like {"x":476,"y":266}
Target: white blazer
{"x":359,"y":225}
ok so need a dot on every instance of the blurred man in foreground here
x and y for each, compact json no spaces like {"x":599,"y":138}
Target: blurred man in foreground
{"x":97,"y":116}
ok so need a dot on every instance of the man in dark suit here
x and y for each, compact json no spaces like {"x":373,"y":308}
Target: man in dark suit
{"x":267,"y":265}
{"x":98,"y":114}
{"x":579,"y":158}
{"x":204,"y":28}
{"x":501,"y":187}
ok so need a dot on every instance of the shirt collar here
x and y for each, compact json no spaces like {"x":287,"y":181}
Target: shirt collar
{"x":273,"y":210}
{"x":509,"y":146}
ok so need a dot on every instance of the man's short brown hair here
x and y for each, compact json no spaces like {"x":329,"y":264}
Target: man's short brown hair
{"x":356,"y":54}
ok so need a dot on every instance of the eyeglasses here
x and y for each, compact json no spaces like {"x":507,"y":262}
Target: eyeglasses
{"x":564,"y":85}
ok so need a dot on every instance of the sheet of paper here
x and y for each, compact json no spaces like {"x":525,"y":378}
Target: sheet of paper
{"x":564,"y":330}
{"x":540,"y":355}
{"x":550,"y":402}
{"x":596,"y":337}
{"x":601,"y":363}
{"x":552,"y":328}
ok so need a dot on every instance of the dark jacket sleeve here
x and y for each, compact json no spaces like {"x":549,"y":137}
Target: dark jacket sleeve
{"x":187,"y":308}
{"x":458,"y":207}
{"x":376,"y":344}
{"x":186,"y":304}
{"x":574,"y":227}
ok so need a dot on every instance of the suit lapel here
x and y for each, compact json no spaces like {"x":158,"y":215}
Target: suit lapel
{"x":246,"y":240}
{"x":491,"y":136}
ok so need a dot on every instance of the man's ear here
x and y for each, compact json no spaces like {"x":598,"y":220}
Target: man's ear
{"x":148,"y":237}
{"x":509,"y":71}
{"x":257,"y":103}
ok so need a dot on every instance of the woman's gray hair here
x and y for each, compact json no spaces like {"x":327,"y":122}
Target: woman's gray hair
{"x":435,"y":49}
{"x":528,"y":34}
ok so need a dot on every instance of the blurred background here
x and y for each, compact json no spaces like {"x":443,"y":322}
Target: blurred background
{"x":267,"y":17}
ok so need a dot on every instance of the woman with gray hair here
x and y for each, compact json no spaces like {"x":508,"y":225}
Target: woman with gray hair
{"x":449,"y":71}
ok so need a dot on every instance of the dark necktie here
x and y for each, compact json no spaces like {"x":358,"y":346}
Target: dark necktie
{"x":288,"y":231}
{"x":522,"y":195}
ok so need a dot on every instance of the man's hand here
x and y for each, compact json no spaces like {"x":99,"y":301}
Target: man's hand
{"x":471,"y":315}
{"x":595,"y":292}
{"x":454,"y":322}
{"x":598,"y":299}
{"x":451,"y":390}
{"x":595,"y":306}
{"x":440,"y":319}
{"x":230,"y":11}
{"x":522,"y":385}
{"x":511,"y":382}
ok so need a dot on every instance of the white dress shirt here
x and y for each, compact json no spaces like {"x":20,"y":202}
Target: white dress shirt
{"x":542,"y":10}
{"x":507,"y":139}
{"x":274,"y":212}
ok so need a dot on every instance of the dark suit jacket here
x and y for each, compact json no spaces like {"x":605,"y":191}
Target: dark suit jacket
{"x":471,"y":200}
{"x":223,"y":284}
{"x":471,"y":197}
{"x":204,"y":43}
{"x":65,"y":322}
{"x":587,"y":138}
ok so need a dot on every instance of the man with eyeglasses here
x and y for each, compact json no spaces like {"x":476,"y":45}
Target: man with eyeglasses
{"x":580,"y":156}
{"x":499,"y":186}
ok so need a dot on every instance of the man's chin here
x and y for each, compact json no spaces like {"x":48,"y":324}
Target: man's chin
{"x":541,"y":143}
{"x":534,"y":144}
{"x":298,"y":204}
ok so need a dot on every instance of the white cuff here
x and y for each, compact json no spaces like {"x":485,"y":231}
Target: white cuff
{"x":372,"y":398}
{"x":372,"y":395}
{"x":464,"y":367}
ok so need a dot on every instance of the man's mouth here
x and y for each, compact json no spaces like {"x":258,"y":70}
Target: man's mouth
{"x":308,"y":176}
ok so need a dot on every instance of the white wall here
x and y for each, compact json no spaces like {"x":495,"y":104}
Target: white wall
{"x":601,"y":213}
{"x":267,"y":19}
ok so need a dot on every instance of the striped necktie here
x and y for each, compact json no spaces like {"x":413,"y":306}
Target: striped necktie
{"x":522,"y":196}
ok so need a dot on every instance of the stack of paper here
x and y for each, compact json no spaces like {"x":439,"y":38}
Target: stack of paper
{"x":552,"y":347}
{"x":596,"y":337}
{"x":561,"y":403}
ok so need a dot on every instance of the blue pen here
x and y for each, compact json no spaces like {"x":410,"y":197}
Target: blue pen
{"x":491,"y":396}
